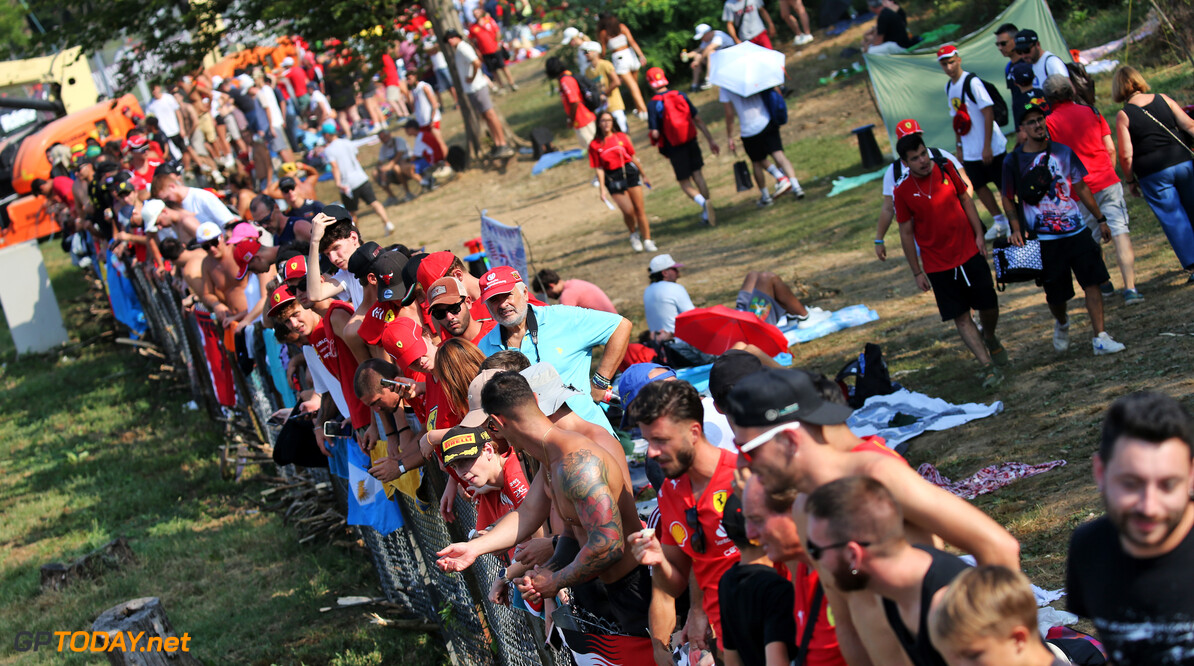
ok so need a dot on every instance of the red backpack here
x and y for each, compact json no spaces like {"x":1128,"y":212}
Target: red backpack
{"x":678,"y":127}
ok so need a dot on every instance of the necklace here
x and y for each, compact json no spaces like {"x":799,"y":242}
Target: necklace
{"x":916,"y":182}
{"x":547,"y":458}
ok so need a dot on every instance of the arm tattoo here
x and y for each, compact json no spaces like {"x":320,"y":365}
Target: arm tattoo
{"x":586,"y":485}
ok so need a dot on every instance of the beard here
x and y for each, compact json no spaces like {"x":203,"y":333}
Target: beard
{"x":846,"y":581}
{"x":513,"y":320}
{"x":679,"y":464}
{"x":1127,"y":522}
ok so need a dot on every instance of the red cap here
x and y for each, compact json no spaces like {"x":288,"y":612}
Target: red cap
{"x":296,"y":267}
{"x":375,"y":322}
{"x":947,"y":51}
{"x":500,"y":280}
{"x":281,"y":296}
{"x":656,"y":78}
{"x":433,"y":267}
{"x":906,"y":127}
{"x":243,"y":252}
{"x":136,"y":142}
{"x":403,"y":339}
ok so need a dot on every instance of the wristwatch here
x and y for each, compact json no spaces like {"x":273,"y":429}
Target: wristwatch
{"x":502,"y":575}
{"x":1102,"y":219}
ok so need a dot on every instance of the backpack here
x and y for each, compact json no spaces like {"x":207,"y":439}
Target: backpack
{"x":676,"y":118}
{"x":998,"y":104}
{"x":1084,"y":89}
{"x":777,"y":107}
{"x":934,"y":153}
{"x":589,"y":95}
{"x":870,"y":376}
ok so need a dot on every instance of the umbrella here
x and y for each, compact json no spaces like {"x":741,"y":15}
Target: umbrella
{"x":746,"y":68}
{"x":714,"y":330}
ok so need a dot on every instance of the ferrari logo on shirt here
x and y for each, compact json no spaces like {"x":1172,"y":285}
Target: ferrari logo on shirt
{"x":390,"y":316}
{"x":679,"y":534}
{"x":719,"y":501}
{"x":431,"y":415}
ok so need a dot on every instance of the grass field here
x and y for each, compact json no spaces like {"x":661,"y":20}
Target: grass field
{"x":91,"y":450}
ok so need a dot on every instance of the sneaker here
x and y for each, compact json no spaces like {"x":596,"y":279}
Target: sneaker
{"x":641,"y":115}
{"x":649,"y":245}
{"x":801,"y":40}
{"x":798,"y":191}
{"x":1107,"y":289}
{"x":781,"y":186}
{"x":410,"y":196}
{"x":991,"y":376}
{"x":1105,"y":345}
{"x":1061,"y":336}
{"x":1132,"y":297}
{"x":392,"y":201}
{"x":815,"y":316}
{"x":514,"y":87}
{"x":503,"y":151}
{"x":596,"y":183}
{"x":635,"y":242}
{"x":996,"y":231}
{"x":765,"y":200}
{"x":998,"y":353}
{"x":389,"y":228}
{"x":708,"y":216}
{"x":443,"y":172}
{"x":706,"y":85}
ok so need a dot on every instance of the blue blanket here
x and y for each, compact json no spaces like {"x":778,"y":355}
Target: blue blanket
{"x":855,"y":315}
{"x":557,"y":158}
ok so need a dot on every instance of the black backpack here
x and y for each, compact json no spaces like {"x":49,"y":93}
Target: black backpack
{"x":1084,"y":89}
{"x":999,"y":105}
{"x":934,"y":153}
{"x":589,"y":95}
{"x":870,"y":376}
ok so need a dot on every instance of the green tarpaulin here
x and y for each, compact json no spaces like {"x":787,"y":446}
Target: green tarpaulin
{"x":912,"y":85}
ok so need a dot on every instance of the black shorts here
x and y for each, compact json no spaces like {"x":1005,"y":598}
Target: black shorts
{"x":1061,"y":256}
{"x":760,"y":146}
{"x":981,"y":174}
{"x":618,"y":181}
{"x":965,"y":288}
{"x":494,"y":61}
{"x":178,"y":142}
{"x":364,"y":193}
{"x":686,"y":159}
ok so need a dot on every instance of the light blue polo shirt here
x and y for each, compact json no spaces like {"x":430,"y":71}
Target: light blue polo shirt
{"x":567,"y":336}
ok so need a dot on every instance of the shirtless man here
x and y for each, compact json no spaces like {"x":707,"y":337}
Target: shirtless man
{"x":188,"y":264}
{"x":793,"y":438}
{"x":297,"y":189}
{"x":588,"y":490}
{"x":228,"y":298}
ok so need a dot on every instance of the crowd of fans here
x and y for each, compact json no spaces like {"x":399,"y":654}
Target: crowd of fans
{"x":792,"y":539}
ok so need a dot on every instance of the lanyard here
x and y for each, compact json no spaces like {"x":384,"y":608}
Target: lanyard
{"x":532,"y":330}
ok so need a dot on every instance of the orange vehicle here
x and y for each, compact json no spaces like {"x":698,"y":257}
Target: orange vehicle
{"x":22,"y":218}
{"x":268,"y":56}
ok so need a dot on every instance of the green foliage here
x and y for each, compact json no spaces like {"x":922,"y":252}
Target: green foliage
{"x":14,"y":32}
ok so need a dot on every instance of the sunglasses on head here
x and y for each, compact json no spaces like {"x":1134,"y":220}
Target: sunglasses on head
{"x":439,"y":312}
{"x":745,"y":449}
{"x":697,"y":539}
{"x":815,"y":551}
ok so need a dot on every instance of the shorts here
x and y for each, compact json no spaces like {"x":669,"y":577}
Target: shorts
{"x":686,"y":159}
{"x":981,"y":174}
{"x":762,"y":39}
{"x":625,"y":61}
{"x":207,"y":126}
{"x":434,"y":125}
{"x":494,"y":61}
{"x":965,"y":288}
{"x":278,"y":142}
{"x":199,"y":142}
{"x":623,"y":603}
{"x":760,"y":146}
{"x":394,"y":95}
{"x":421,"y":165}
{"x":178,"y":142}
{"x":1061,"y":256}
{"x":363,"y":193}
{"x":760,"y":305}
{"x":232,"y":127}
{"x":1114,"y":208}
{"x":586,"y":134}
{"x":885,"y":48}
{"x":620,"y":180}
{"x":443,"y":80}
{"x":481,"y":101}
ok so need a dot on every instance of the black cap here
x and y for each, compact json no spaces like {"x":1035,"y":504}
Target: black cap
{"x":464,"y":443}
{"x":286,"y":183}
{"x":1034,"y":106}
{"x":411,"y":124}
{"x":1022,"y":73}
{"x":361,"y":261}
{"x":774,"y":396}
{"x":340,"y":213}
{"x":733,"y":522}
{"x":728,"y":369}
{"x":410,"y":277}
{"x":449,"y":34}
{"x":1025,"y":40}
{"x":389,"y":267}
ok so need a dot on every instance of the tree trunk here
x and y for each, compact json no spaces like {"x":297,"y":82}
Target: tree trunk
{"x":145,"y":617}
{"x":111,"y":555}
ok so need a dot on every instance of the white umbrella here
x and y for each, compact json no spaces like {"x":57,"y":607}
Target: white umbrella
{"x":746,"y":68}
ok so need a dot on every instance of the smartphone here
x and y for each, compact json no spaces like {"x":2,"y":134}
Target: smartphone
{"x":397,"y":383}
{"x":302,"y":416}
{"x":331,"y":429}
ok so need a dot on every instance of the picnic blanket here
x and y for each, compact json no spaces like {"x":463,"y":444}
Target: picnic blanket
{"x":1043,"y":597}
{"x":986,"y":480}
{"x":876,"y":416}
{"x":844,"y":183}
{"x":854,"y":315}
{"x":549,"y":160}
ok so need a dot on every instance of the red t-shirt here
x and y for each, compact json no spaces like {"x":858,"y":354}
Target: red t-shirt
{"x":675,"y":498}
{"x":942,"y":231}
{"x":440,"y":414}
{"x":389,"y":70}
{"x":298,"y":80}
{"x":1082,"y":128}
{"x":823,"y":648}
{"x":64,"y":187}
{"x":142,"y":180}
{"x":876,"y":444}
{"x":484,"y":34}
{"x":495,"y":504}
{"x":570,"y":92}
{"x":338,"y":359}
{"x":612,"y":152}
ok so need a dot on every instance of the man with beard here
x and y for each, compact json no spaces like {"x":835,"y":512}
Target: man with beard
{"x":451,"y":307}
{"x":561,"y":335}
{"x":856,"y":533}
{"x":1129,"y":570}
{"x":228,"y":292}
{"x":794,"y":439}
{"x":691,"y":503}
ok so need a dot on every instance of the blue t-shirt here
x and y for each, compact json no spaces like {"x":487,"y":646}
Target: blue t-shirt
{"x":567,"y":336}
{"x":1057,"y":214}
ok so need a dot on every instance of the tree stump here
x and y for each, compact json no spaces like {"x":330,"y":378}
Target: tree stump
{"x":112,"y":555}
{"x":147,"y":617}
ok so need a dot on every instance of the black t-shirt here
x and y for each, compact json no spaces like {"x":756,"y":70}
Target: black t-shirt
{"x":1143,"y":609}
{"x":308,"y":210}
{"x":893,"y":27}
{"x":756,"y":609}
{"x":942,"y":571}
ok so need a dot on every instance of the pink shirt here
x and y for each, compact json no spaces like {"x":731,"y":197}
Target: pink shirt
{"x":585,"y":295}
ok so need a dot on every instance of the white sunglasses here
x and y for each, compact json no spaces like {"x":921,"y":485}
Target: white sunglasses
{"x":766,"y":437}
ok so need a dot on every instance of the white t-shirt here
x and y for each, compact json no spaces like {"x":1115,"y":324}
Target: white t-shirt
{"x":269,"y":101}
{"x":344,"y":154}
{"x":1047,"y":65}
{"x":207,"y":207}
{"x":663,"y":301}
{"x":752,"y":112}
{"x":719,"y":41}
{"x":744,"y":14}
{"x":465,"y":55}
{"x":972,"y":141}
{"x":890,"y":182}
{"x":425,"y":114}
{"x":324,"y":381}
{"x":353,"y":291}
{"x":319,"y":100}
{"x":438,"y":61}
{"x":163,"y":108}
{"x":395,"y":148}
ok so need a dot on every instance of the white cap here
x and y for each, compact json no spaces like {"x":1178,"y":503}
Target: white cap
{"x":150,"y":211}
{"x":245,"y":81}
{"x":216,"y":80}
{"x":570,"y":34}
{"x":661,"y":263}
{"x":211,"y":231}
{"x":700,"y":31}
{"x":591,"y":46}
{"x":288,"y":62}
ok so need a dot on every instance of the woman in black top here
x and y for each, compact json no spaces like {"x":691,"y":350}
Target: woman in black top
{"x":1151,"y":132}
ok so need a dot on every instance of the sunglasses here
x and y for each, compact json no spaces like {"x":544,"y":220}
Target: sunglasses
{"x":210,"y":244}
{"x":815,"y":551}
{"x":698,"y":534}
{"x":441,"y":312}
{"x":1002,"y":43}
{"x":287,"y":189}
{"x":745,"y":449}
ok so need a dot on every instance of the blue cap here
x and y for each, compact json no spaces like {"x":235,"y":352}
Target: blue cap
{"x":633,"y":380}
{"x":328,"y":127}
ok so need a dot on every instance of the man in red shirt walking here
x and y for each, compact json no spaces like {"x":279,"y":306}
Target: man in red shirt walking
{"x":936,"y":216}
{"x":579,"y":116}
{"x":486,"y":35}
